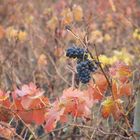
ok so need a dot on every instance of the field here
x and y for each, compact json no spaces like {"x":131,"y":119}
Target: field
{"x":69,"y":70}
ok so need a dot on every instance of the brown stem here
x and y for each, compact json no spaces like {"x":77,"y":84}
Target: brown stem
{"x":107,"y":79}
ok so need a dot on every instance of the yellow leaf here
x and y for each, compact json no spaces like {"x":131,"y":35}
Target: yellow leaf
{"x":77,"y":12}
{"x":11,"y":33}
{"x":29,"y":19}
{"x":42,"y":60}
{"x":104,"y":59}
{"x":124,"y":56}
{"x":52,"y":23}
{"x":107,"y":37}
{"x":108,"y":102}
{"x":67,"y":16}
{"x":22,"y":35}
{"x":136,"y":34}
{"x":96,"y":35}
{"x":110,"y":106}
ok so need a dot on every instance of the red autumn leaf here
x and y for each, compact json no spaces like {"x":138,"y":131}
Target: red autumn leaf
{"x":25,"y":115}
{"x":120,"y":90}
{"x":77,"y":102}
{"x":116,"y":110}
{"x":98,"y":88}
{"x":36,"y":112}
{"x":51,"y":121}
{"x":2,"y":32}
{"x":120,"y":71}
{"x":74,"y":102}
{"x":30,"y":90}
{"x":53,"y":115}
{"x":115,"y":90}
{"x":30,"y":95}
{"x":126,"y":89}
{"x":29,"y":116}
{"x":5,"y":115}
{"x":63,"y":118}
{"x":38,"y":116}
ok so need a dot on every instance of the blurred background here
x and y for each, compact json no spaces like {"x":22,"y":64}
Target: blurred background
{"x":33,"y":39}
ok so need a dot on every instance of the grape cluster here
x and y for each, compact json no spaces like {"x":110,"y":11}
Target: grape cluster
{"x":83,"y":72}
{"x":75,"y":52}
{"x":84,"y":69}
{"x":84,"y":65}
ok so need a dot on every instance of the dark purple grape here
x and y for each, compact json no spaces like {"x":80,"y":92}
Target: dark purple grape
{"x":75,"y":52}
{"x":83,"y":72}
{"x":84,"y":66}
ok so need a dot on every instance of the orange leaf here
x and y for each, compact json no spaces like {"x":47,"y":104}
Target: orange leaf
{"x":67,"y":16}
{"x":77,"y":12}
{"x":38,"y":116}
{"x":77,"y":102}
{"x":98,"y":88}
{"x":126,"y":89}
{"x":25,"y":115}
{"x":120,"y":71}
{"x":29,"y":94}
{"x":120,"y":90}
{"x":53,"y":115}
{"x":35,"y":113}
{"x":111,"y":107}
{"x":42,"y":60}
{"x":106,"y":111}
{"x":107,"y":107}
{"x":2,"y":32}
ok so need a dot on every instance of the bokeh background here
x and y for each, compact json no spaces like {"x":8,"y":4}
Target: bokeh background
{"x":33,"y":40}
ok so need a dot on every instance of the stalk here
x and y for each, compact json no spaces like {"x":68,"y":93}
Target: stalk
{"x":136,"y":125}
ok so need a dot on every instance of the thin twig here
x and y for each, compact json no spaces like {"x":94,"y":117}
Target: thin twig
{"x":107,"y":79}
{"x":58,"y":73}
{"x":116,"y":134}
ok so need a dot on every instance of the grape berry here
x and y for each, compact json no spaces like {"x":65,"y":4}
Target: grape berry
{"x":84,"y":65}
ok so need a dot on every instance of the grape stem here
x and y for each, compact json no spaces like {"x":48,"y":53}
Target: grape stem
{"x":107,"y":79}
{"x":85,"y":46}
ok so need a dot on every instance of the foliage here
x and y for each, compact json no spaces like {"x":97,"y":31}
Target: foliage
{"x":91,"y":96}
